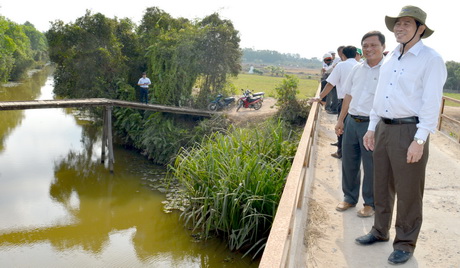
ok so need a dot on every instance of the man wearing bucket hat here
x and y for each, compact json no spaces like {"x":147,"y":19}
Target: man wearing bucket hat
{"x":405,"y":110}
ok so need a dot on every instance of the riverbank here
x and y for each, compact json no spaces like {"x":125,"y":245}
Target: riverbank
{"x":331,"y":233}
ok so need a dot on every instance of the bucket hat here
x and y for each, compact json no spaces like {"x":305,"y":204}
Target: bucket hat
{"x":409,"y":11}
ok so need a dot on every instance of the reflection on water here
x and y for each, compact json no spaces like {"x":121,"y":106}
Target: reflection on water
{"x":29,"y":90}
{"x":60,"y":207}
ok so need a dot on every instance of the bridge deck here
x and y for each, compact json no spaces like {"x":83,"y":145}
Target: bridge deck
{"x":43,"y":104}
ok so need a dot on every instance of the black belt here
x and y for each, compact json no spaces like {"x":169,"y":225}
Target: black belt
{"x":399,"y":121}
{"x":359,"y":118}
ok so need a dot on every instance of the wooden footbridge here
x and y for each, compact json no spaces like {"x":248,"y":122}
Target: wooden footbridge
{"x":107,"y":141}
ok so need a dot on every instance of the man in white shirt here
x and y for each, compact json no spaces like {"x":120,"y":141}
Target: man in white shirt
{"x":406,"y":109}
{"x":144,"y":83}
{"x":336,"y":79}
{"x":359,"y":96}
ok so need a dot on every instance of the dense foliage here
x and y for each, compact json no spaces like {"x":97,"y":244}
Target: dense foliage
{"x":22,"y":48}
{"x":453,"y":76}
{"x":96,"y":56}
{"x":270,"y":57}
{"x":88,"y":55}
{"x":233,"y":182}
{"x":102,"y":57}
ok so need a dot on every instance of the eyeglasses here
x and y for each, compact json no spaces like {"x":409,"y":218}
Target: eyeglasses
{"x":327,"y":60}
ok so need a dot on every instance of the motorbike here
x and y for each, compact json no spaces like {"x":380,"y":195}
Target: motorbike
{"x":250,"y":100}
{"x":220,"y":103}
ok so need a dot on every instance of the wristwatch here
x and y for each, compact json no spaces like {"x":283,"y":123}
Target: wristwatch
{"x":419,"y":141}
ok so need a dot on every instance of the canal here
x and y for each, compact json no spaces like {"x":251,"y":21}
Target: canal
{"x":60,"y":207}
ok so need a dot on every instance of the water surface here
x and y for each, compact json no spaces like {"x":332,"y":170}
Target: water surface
{"x":60,"y":207}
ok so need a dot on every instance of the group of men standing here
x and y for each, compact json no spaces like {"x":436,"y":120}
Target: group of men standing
{"x":388,"y":107}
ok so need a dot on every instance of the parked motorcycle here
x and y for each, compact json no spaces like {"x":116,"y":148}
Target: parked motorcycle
{"x":250,"y":100}
{"x":220,"y":103}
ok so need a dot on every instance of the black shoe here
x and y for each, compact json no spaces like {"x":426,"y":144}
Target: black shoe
{"x":335,"y":144}
{"x":399,"y":257}
{"x":331,"y":112}
{"x":368,"y":239}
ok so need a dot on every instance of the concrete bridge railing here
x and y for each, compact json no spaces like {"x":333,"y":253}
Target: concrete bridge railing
{"x":285,"y":246}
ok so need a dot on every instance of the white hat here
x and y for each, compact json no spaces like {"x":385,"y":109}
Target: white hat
{"x":327,"y":55}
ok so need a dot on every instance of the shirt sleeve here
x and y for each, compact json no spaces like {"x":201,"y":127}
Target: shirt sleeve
{"x":334,"y":77}
{"x":373,"y":120}
{"x":434,"y":78}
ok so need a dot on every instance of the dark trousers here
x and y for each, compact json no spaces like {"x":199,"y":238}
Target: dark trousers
{"x":353,"y":152}
{"x":332,"y":101}
{"x":323,"y":84}
{"x":144,"y":95}
{"x":339,"y":138}
{"x":393,"y":176}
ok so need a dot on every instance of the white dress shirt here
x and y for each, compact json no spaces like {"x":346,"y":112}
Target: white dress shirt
{"x":144,"y":82}
{"x":361,"y":85}
{"x":411,"y":86}
{"x":339,"y":75}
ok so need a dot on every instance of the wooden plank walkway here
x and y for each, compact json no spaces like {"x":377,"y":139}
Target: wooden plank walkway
{"x":69,"y":103}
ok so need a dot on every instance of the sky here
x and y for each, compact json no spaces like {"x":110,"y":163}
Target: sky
{"x":307,"y":28}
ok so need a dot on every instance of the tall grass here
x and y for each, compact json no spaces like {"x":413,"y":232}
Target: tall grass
{"x":233,"y":183}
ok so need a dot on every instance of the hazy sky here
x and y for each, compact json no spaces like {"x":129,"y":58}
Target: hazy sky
{"x":308,"y":28}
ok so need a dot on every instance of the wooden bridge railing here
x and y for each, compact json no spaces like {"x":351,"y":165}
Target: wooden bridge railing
{"x":443,"y":116}
{"x":43,"y":104}
{"x":285,"y":247}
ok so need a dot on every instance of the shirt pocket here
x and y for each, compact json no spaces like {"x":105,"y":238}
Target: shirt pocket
{"x":407,"y":83}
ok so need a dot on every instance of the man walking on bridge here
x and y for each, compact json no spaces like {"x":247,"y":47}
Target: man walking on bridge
{"x":144,"y":83}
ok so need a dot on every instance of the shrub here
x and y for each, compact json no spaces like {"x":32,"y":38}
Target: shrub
{"x":233,"y":183}
{"x":291,"y":109}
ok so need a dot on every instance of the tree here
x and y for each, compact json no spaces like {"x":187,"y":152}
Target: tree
{"x":22,"y":47}
{"x":19,"y":44}
{"x":7,"y":48}
{"x":89,"y":58}
{"x":171,"y":55}
{"x":38,"y":43}
{"x":453,"y":76}
{"x":220,"y":53}
{"x":173,"y":63}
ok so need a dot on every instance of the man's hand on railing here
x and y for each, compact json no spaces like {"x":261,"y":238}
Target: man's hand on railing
{"x":311,"y":100}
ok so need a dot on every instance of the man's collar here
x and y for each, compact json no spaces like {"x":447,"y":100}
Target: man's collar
{"x":414,"y":50}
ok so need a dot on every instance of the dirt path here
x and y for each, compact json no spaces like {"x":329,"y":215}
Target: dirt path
{"x":331,"y":233}
{"x":245,"y":115}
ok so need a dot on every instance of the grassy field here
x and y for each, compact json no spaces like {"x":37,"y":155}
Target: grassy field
{"x":255,"y":83}
{"x":307,"y":87}
{"x":453,"y":96}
